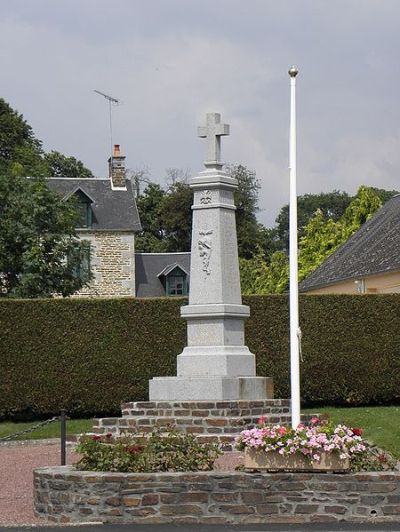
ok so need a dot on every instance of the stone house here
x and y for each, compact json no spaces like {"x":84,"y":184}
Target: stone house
{"x":368,"y":263}
{"x":109,"y":220}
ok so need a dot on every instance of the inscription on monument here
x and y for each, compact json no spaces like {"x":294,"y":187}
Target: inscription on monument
{"x":206,"y":197}
{"x":204,"y":245}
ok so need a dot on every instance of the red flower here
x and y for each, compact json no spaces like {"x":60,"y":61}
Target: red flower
{"x":314,"y":420}
{"x":262,"y":420}
{"x":96,"y":437}
{"x":282,"y":430}
{"x":381,"y":457}
{"x":357,"y":432}
{"x":109,"y":434}
{"x":134,"y":449}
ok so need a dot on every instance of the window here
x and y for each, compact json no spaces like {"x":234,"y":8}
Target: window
{"x":82,"y":204}
{"x":82,"y":270}
{"x":176,"y":283}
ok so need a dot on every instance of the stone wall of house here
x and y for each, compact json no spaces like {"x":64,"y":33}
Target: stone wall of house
{"x":113,"y":264}
{"x":64,"y":495}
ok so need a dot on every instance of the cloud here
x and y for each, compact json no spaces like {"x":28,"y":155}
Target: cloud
{"x":170,"y":64}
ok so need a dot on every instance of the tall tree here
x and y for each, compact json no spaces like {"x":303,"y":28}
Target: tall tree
{"x":60,"y":165}
{"x":40,"y":253}
{"x":331,"y":204}
{"x":322,"y":235}
{"x":250,"y":233}
{"x":176,"y":216}
{"x":20,"y":152}
{"x":152,"y":238}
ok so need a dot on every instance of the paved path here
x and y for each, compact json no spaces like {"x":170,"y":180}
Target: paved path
{"x":17,"y":461}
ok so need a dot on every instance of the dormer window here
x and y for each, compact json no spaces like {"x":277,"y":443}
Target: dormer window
{"x":83,"y":204}
{"x":85,"y":212}
{"x":175,"y":280}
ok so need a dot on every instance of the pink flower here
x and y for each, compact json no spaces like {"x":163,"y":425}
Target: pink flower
{"x":314,"y":420}
{"x":262,"y":420}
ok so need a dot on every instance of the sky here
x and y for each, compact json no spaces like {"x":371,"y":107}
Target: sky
{"x":169,"y":62}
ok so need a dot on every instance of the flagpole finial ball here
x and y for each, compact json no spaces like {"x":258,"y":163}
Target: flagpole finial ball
{"x":293,"y":72}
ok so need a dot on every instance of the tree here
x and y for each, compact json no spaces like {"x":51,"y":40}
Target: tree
{"x":176,"y":217}
{"x":152,"y":237}
{"x":20,"y":152}
{"x":322,"y":235}
{"x":60,"y":165}
{"x":250,"y":233}
{"x":331,"y":204}
{"x":257,"y":276}
{"x":39,"y":251}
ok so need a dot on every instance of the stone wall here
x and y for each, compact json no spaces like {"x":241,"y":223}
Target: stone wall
{"x":113,"y":264}
{"x":65,"y":495}
{"x":210,"y":421}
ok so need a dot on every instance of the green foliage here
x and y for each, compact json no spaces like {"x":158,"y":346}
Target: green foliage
{"x":166,"y":216}
{"x":151,"y":239}
{"x":20,"y":152}
{"x":259,"y":277}
{"x":60,"y":165}
{"x":176,"y":216}
{"x":331,"y":204}
{"x":322,"y":235}
{"x":250,"y":234}
{"x":163,"y":450}
{"x":90,"y":355}
{"x":37,"y":234}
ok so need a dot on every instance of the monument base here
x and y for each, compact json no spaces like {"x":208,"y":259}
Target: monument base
{"x":211,"y":388}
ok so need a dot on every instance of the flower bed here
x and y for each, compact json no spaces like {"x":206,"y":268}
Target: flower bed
{"x":318,"y":446}
{"x":165,"y":449}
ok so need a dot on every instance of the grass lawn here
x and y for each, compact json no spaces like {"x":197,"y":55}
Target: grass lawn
{"x":74,"y":426}
{"x":381,"y":424}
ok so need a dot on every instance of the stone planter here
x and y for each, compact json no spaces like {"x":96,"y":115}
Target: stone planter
{"x":273,"y":461}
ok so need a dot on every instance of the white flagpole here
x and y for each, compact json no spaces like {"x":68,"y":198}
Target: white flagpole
{"x":293,"y":264}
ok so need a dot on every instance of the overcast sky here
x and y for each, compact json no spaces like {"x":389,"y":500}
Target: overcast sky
{"x":171,"y":61}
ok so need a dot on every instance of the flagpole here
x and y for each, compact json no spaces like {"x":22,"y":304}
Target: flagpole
{"x":293,"y":264}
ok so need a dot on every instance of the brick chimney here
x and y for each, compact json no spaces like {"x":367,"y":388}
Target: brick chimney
{"x":116,"y":169}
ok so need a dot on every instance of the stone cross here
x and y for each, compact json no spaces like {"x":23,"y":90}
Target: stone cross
{"x":213,"y":132}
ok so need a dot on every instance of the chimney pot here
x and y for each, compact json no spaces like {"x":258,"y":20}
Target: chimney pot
{"x":117,"y":152}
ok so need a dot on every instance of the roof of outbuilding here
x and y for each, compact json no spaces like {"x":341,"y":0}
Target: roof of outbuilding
{"x":113,"y":210}
{"x":150,"y":265}
{"x":374,"y":248}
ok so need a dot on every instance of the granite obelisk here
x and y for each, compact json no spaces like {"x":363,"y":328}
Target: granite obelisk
{"x":215,"y":364}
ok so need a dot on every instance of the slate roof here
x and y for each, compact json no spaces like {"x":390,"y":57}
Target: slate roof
{"x":373,"y":249}
{"x":113,"y":210}
{"x":150,"y":265}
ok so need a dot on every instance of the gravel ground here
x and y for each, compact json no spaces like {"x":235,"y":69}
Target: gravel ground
{"x":17,"y":461}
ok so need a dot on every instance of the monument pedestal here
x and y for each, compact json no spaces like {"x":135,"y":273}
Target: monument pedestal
{"x":213,"y":388}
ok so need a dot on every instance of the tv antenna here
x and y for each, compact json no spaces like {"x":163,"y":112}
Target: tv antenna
{"x":111,"y":101}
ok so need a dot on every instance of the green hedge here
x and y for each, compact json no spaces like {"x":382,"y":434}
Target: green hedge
{"x":89,"y":355}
